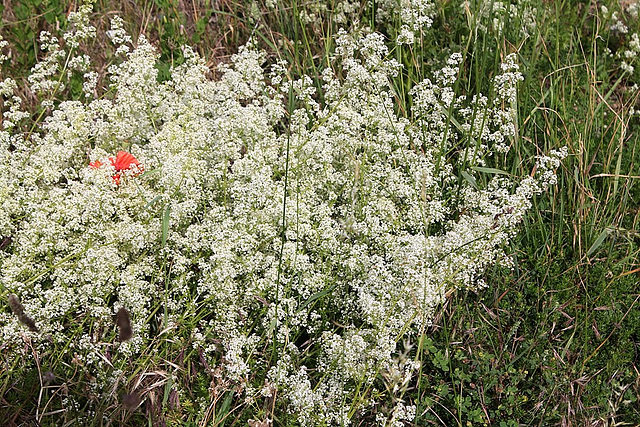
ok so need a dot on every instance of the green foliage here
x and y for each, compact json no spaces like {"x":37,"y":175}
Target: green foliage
{"x":556,"y":341}
{"x":530,"y":349}
{"x":21,"y":23}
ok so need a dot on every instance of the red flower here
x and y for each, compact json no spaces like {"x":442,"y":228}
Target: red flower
{"x":122,"y":162}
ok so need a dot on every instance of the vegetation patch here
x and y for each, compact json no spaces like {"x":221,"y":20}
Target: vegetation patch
{"x":377,"y":213}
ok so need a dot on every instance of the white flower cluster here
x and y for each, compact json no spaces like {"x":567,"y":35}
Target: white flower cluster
{"x":616,"y":26}
{"x":632,"y":8}
{"x":277,"y":223}
{"x":59,"y":59}
{"x":119,"y":36}
{"x":627,"y":53}
{"x":41,"y":75}
{"x":13,"y":113}
{"x":547,"y":165}
{"x":410,"y":16}
{"x":502,"y":17}
{"x":630,"y":54}
{"x":341,"y":12}
{"x":81,"y":28}
{"x":3,"y":44}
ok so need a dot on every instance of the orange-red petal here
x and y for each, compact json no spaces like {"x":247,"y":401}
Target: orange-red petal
{"x":124,"y":161}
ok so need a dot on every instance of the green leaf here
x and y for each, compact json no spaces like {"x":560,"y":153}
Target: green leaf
{"x":152,"y":202}
{"x":606,"y":232}
{"x":165,"y":225}
{"x":224,"y":410}
{"x":316,"y":296}
{"x":490,"y":170}
{"x":470,"y":179}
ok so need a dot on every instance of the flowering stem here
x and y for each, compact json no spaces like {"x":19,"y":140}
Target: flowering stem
{"x":283,"y":234}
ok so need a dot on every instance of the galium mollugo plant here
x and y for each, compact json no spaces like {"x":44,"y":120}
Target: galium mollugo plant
{"x":288,"y":226}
